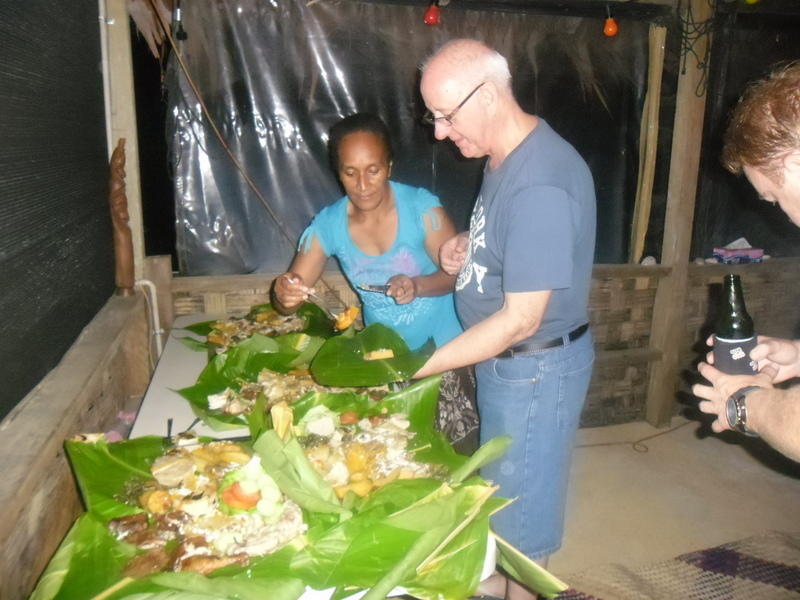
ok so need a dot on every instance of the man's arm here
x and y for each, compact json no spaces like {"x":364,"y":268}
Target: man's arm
{"x":518,"y":319}
{"x":775,"y":416}
{"x":771,"y":413}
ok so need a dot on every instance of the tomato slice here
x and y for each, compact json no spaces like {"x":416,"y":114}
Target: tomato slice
{"x":235,"y":497}
{"x":348,"y":418}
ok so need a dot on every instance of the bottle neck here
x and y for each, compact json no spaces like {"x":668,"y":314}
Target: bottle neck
{"x":734,"y":323}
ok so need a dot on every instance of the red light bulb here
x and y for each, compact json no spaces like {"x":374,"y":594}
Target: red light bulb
{"x":432,"y":15}
{"x":610,"y":29}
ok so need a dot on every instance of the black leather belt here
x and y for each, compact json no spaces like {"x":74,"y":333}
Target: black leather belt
{"x":535,"y":346}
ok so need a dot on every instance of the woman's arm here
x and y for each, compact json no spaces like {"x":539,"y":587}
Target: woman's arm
{"x":291,"y":289}
{"x":404,"y":288}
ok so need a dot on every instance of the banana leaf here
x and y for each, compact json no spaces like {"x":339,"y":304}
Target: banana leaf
{"x":103,"y":470}
{"x":241,"y":364}
{"x":286,"y":463}
{"x":418,"y":402}
{"x":88,"y":561}
{"x":382,"y":545}
{"x":426,"y":535}
{"x":340,"y":361}
{"x":523,"y":569}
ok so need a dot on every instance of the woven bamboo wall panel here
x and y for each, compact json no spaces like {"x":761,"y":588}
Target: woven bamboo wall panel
{"x":621,"y":309}
{"x":235,"y":295}
{"x":616,"y":394}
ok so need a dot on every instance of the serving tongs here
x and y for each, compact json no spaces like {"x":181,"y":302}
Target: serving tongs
{"x":321,"y":303}
{"x":368,"y":287}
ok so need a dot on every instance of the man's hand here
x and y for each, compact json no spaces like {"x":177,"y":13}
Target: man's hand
{"x":453,"y":253}
{"x":402,"y":288}
{"x":290,"y":290}
{"x":722,"y":386}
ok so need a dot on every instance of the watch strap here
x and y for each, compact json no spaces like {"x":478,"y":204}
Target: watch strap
{"x":739,"y":410}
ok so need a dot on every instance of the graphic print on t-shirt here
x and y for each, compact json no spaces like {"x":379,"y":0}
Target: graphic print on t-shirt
{"x":477,"y":239}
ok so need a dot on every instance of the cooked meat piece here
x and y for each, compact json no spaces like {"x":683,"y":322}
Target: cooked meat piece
{"x":171,"y":469}
{"x":152,"y":561}
{"x":171,"y":521}
{"x":122,"y":527}
{"x":149,"y":538}
{"x":207,"y":564}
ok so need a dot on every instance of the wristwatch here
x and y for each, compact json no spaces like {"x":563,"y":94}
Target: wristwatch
{"x":736,"y":410}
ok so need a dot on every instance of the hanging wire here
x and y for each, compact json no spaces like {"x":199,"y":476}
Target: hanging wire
{"x":237,"y":163}
{"x":692,"y":32}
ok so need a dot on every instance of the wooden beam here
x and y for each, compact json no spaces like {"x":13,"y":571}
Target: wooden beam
{"x":682,"y":187}
{"x":118,"y":74}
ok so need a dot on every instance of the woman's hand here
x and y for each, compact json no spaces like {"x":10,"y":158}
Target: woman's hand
{"x":782,"y":355}
{"x":290,"y":290}
{"x":402,"y":288}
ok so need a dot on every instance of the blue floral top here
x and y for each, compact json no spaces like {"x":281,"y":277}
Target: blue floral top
{"x":423,"y":318}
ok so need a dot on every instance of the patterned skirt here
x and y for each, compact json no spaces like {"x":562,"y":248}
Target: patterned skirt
{"x":457,"y":415}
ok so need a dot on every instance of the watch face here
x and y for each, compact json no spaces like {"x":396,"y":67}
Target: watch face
{"x":731,"y":412}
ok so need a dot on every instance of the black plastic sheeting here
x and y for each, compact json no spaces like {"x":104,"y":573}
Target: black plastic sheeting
{"x":746,"y":46}
{"x":276,"y":75}
{"x":56,"y":258}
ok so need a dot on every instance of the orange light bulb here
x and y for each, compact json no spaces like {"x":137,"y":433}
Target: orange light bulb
{"x":610,"y":29}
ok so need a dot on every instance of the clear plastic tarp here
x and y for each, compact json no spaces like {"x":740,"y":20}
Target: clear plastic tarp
{"x":275,"y":75}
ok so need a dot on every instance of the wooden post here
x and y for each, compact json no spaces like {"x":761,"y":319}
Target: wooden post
{"x":684,"y":164}
{"x":123,"y":115}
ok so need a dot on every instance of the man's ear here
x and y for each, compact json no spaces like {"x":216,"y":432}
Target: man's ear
{"x":487,"y":96}
{"x":389,"y":172}
{"x":791,"y":164}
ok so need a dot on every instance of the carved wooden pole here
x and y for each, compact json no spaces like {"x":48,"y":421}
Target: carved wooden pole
{"x":123,"y":240}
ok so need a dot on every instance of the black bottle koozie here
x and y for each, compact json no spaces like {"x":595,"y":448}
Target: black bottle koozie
{"x":733,"y":356}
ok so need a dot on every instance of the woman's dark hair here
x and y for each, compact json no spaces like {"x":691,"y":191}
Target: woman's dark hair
{"x":357,"y":122}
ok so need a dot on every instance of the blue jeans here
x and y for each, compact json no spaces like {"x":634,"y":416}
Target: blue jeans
{"x":536,"y":399}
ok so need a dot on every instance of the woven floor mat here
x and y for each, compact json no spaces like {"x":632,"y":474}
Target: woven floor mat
{"x":761,"y":567}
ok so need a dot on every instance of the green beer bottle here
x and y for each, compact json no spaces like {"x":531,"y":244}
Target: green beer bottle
{"x":734,"y":334}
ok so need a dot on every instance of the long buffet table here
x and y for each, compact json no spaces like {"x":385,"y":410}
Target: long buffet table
{"x":178,"y":367}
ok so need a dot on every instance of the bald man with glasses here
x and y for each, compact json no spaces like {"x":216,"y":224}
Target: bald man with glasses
{"x":524,"y":272}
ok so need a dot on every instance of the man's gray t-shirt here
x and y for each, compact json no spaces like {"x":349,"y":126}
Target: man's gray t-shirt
{"x":532,"y":229}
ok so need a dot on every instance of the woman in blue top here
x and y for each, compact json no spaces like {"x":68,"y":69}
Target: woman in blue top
{"x":383,"y":232}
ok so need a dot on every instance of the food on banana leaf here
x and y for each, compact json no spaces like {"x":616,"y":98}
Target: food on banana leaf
{"x":276,"y":387}
{"x":346,"y":318}
{"x":360,"y":455}
{"x":266,"y":322}
{"x":379,"y":354}
{"x":208,"y":505}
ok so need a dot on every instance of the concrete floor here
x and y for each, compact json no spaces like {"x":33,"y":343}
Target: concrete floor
{"x":690,"y":490}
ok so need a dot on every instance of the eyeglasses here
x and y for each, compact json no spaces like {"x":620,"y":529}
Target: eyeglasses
{"x":448,"y":119}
